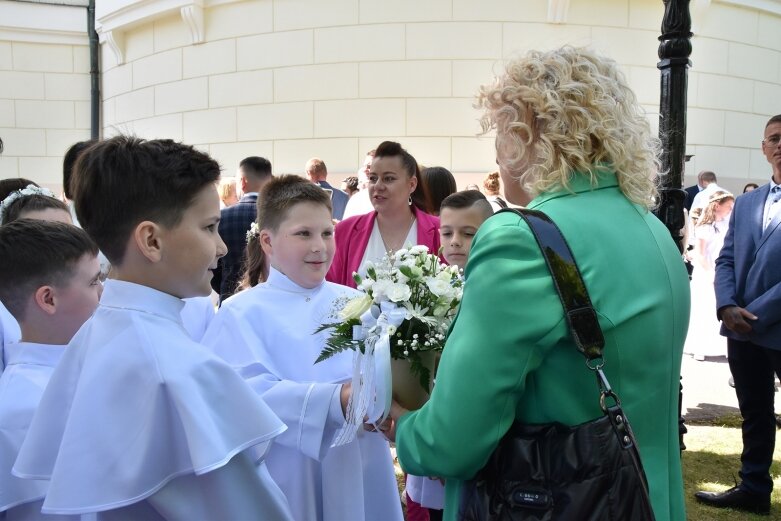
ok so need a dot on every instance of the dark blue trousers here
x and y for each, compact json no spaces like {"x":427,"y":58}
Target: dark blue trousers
{"x":753,"y":368}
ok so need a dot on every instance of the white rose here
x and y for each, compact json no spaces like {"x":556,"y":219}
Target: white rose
{"x":399,"y":292}
{"x":380,"y":289}
{"x":419,"y":249}
{"x":356,"y":307}
{"x":438,"y":286}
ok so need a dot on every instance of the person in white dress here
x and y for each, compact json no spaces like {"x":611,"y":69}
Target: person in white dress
{"x":703,"y":339}
{"x":138,"y":421}
{"x":267,"y":333}
{"x":50,"y":278}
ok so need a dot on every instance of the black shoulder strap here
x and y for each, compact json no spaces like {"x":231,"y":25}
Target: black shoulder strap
{"x":580,"y":313}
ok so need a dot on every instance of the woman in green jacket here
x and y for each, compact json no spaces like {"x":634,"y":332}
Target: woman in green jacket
{"x":571,"y":141}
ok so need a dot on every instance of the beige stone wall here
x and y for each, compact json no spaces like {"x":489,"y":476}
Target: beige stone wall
{"x":290,"y":79}
{"x":44,"y":88}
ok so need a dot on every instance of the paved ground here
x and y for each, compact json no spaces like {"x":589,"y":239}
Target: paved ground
{"x":706,"y":393}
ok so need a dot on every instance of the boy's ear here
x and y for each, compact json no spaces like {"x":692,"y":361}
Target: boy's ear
{"x":45,"y":298}
{"x":265,"y":242}
{"x":147,"y":237}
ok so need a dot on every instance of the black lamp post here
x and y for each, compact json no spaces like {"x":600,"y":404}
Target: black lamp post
{"x":674,"y":50}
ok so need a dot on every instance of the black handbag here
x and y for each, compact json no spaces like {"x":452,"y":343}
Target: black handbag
{"x":591,"y":471}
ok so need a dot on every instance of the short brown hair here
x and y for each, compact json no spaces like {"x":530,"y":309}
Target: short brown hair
{"x":468,"y":199}
{"x":125,"y":180}
{"x":276,"y":199}
{"x":774,"y":119}
{"x":36,"y":253}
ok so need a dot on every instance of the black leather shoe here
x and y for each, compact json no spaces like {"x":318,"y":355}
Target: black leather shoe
{"x":738,"y":499}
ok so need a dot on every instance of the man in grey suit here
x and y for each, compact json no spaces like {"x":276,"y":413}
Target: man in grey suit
{"x":748,"y":301}
{"x":317,"y":172}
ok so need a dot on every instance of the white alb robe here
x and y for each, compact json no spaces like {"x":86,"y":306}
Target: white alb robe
{"x":28,"y":368}
{"x":267,"y":334}
{"x":9,"y":331}
{"x":197,"y":314}
{"x":140,"y":422}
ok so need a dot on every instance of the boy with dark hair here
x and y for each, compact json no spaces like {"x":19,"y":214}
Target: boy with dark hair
{"x":139,"y":421}
{"x":461,"y":214}
{"x":51,"y":292}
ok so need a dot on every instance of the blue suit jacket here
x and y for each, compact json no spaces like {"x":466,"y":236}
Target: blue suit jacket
{"x":234,"y":222}
{"x":747,"y":273}
{"x":338,"y":200}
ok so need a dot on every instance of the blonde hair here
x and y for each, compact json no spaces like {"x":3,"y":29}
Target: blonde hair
{"x":570,"y":111}
{"x":227,"y":190}
{"x":491,"y":183}
{"x":709,"y":212}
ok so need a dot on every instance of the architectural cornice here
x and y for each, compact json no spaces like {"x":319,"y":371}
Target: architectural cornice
{"x":43,"y":23}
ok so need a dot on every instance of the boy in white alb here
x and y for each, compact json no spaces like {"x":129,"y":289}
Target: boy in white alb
{"x":23,"y":199}
{"x":50,"y":278}
{"x":138,"y":421}
{"x":267,"y":333}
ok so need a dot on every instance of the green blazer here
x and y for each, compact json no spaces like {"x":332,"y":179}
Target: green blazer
{"x":510,"y":355}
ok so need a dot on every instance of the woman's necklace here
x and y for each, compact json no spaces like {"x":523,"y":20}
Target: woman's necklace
{"x":396,"y":245}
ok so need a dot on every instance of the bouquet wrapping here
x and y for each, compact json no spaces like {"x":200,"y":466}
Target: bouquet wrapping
{"x":396,"y":328}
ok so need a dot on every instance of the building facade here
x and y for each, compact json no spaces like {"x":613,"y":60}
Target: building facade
{"x":292,"y":79}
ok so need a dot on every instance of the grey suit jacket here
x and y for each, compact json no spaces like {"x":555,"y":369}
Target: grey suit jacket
{"x":747,"y":270}
{"x":338,"y":200}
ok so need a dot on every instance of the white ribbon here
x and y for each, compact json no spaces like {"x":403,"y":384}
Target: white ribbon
{"x":371,"y":382}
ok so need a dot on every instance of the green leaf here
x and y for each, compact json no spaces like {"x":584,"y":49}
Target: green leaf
{"x":335,"y":345}
{"x":421,"y":371}
{"x":406,"y":271}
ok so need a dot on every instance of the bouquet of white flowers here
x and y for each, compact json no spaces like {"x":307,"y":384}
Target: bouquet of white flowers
{"x":409,"y":301}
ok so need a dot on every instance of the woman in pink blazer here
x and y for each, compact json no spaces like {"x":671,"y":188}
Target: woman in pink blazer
{"x":399,"y":216}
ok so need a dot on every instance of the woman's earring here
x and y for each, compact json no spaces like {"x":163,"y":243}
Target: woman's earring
{"x":409,"y":201}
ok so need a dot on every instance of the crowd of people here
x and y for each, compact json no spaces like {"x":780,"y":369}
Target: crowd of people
{"x":159,"y":324}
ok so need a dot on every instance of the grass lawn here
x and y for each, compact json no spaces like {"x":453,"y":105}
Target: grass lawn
{"x":711,"y":458}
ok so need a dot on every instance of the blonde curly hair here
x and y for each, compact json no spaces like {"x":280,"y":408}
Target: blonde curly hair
{"x":569,"y":111}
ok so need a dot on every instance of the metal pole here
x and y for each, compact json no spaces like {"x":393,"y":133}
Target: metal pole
{"x":94,"y":72}
{"x":674,"y":50}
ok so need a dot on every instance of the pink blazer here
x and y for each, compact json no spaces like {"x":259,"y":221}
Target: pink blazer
{"x":352,"y":237}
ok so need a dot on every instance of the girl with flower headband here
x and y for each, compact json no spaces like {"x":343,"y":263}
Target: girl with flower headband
{"x":709,"y":232}
{"x":30,"y":202}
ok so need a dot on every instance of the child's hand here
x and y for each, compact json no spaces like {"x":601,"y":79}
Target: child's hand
{"x":344,"y":396}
